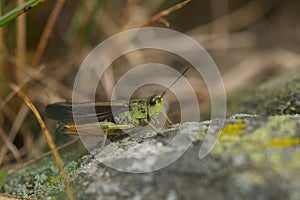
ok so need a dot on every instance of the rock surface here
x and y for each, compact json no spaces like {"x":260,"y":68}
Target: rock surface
{"x":256,"y":157}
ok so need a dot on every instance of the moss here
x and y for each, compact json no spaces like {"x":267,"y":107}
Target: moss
{"x":279,"y":96}
{"x":42,"y":178}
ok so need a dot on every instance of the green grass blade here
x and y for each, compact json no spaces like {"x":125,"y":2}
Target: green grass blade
{"x":3,"y":176}
{"x":2,"y":4}
{"x":14,"y":13}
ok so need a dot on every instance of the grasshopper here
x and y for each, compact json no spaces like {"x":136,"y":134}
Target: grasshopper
{"x":126,"y":115}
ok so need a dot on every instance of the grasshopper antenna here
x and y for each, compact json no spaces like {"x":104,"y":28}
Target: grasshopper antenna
{"x":164,"y":92}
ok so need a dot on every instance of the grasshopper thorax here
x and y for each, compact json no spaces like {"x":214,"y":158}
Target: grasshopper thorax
{"x":142,"y":111}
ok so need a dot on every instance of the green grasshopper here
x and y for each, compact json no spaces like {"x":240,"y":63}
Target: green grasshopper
{"x":125,"y":115}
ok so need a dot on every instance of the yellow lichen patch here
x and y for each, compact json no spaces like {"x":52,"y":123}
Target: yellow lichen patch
{"x":283,"y":142}
{"x":230,"y":135}
{"x":268,"y":143}
{"x":274,"y":136}
{"x":279,"y":131}
{"x":52,"y":180}
{"x":233,"y":129}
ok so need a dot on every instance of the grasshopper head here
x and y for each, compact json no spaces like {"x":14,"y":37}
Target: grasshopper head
{"x":154,"y":106}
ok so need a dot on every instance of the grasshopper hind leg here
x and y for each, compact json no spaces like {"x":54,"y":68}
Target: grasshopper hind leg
{"x":65,"y":128}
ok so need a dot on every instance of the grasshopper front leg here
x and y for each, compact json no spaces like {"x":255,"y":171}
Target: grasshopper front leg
{"x":167,"y":118}
{"x":153,"y":127}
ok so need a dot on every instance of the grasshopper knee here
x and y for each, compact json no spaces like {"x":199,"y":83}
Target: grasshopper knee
{"x":61,"y":127}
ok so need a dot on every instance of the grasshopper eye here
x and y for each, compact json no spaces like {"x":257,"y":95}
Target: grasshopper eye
{"x":152,"y":101}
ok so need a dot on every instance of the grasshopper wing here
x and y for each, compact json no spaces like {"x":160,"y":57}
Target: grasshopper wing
{"x":65,"y":111}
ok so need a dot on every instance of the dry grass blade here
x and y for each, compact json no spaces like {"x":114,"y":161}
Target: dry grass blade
{"x":49,"y":139}
{"x":47,"y":31}
{"x":14,"y":129}
{"x":160,"y":16}
{"x":2,"y":43}
{"x":240,"y":18}
{"x":128,"y":10}
{"x":21,"y":45}
{"x":37,"y":74}
{"x":24,"y":82}
{"x":9,"y":144}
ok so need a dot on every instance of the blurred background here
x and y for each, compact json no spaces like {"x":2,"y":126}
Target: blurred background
{"x":251,"y":41}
